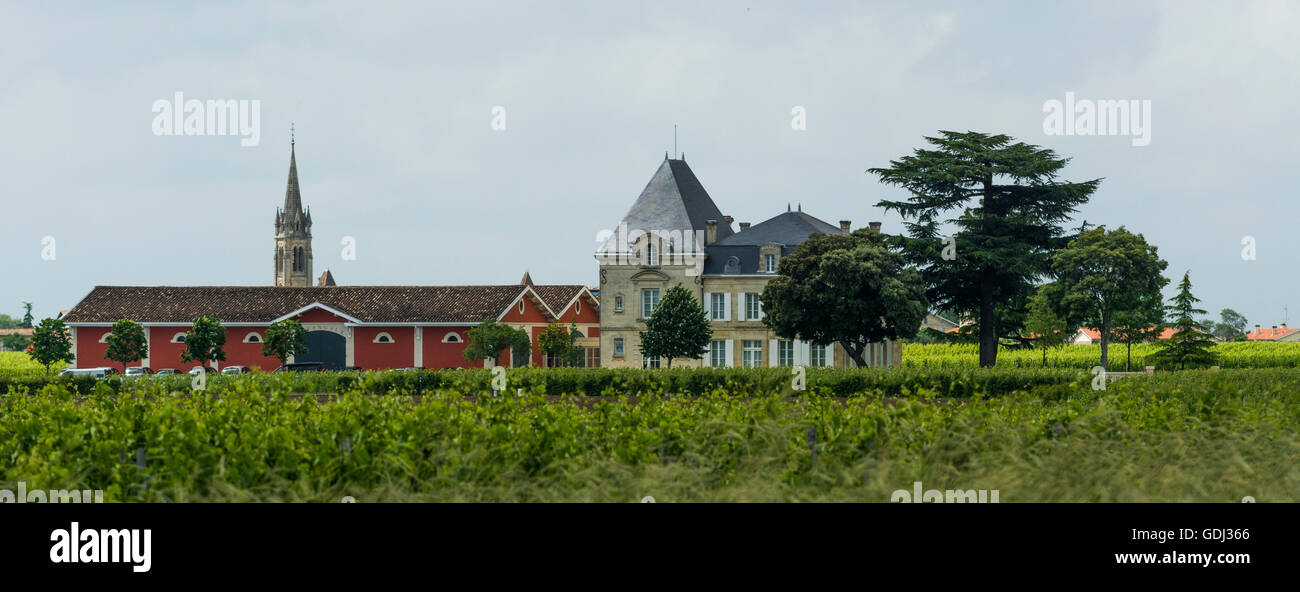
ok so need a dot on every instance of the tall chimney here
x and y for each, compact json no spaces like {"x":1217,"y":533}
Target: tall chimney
{"x":844,"y":226}
{"x":711,"y":234}
{"x":744,"y":226}
{"x":729,"y":220}
{"x":1257,"y":328}
{"x":875,"y":226}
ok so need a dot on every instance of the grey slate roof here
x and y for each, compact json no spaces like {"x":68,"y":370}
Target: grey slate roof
{"x":674,"y":199}
{"x":790,"y":228}
{"x":787,"y":229}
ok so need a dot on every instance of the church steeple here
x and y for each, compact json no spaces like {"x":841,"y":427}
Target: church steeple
{"x":293,"y":231}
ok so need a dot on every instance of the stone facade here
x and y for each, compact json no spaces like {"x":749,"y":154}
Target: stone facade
{"x":654,"y":250}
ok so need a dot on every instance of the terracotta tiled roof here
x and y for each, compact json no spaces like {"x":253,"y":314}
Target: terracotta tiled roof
{"x":557,"y":296}
{"x":1095,"y":334}
{"x":5,"y":332}
{"x":1270,"y":334}
{"x":260,"y":304}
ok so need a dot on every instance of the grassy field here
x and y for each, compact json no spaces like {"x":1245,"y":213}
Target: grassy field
{"x":1032,"y":435}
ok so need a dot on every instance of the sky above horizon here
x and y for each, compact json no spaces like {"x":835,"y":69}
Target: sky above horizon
{"x":393,"y":105}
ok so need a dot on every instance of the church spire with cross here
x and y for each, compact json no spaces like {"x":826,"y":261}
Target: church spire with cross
{"x":293,"y":230}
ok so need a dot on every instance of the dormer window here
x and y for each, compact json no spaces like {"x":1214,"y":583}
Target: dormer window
{"x":769,"y":263}
{"x":651,"y":255}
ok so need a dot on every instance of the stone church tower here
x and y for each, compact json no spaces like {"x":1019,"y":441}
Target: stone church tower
{"x":293,"y":234}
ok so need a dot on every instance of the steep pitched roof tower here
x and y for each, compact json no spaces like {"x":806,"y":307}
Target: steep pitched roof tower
{"x":293,"y":233}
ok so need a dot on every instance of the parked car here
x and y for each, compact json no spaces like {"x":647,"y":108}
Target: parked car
{"x":235,"y":370}
{"x":165,"y":372}
{"x":200,"y":369}
{"x":139,"y":371}
{"x":100,"y":372}
{"x":302,"y":367}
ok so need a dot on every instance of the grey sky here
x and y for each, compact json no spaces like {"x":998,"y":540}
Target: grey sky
{"x":392,"y":103}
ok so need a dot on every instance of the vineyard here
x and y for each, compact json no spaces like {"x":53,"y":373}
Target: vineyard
{"x":19,"y":364}
{"x":1242,"y":354}
{"x":675,"y":435}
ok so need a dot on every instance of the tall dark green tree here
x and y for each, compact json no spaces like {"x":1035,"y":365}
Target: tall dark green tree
{"x":677,"y":328}
{"x":51,"y":343}
{"x":27,"y":315}
{"x":1105,"y":272}
{"x":847,"y":289}
{"x":204,"y":342}
{"x":1191,"y":344}
{"x":126,"y":343}
{"x":1008,"y":208}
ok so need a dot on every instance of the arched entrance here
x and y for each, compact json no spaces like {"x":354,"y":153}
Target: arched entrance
{"x":326,"y":347}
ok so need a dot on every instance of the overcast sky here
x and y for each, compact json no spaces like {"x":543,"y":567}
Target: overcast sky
{"x":393,"y":105}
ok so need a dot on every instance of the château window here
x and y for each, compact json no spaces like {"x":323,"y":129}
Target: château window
{"x":651,"y":255}
{"x":649,"y":300}
{"x":718,"y":305}
{"x":770,"y":263}
{"x":618,"y":347}
{"x":753,"y":307}
{"x":753,"y":354}
{"x":718,"y":354}
{"x":650,"y":362}
{"x":817,"y":355}
{"x":785,"y":353}
{"x":618,"y":303}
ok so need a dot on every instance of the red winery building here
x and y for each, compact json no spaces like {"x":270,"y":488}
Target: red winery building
{"x":368,"y":327}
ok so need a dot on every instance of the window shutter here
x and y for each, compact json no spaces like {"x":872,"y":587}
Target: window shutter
{"x":726,"y":306}
{"x":742,"y":314}
{"x":801,"y":353}
{"x":774,"y":360}
{"x":729,"y":354}
{"x":708,"y":306}
{"x":708,"y":357}
{"x":830,"y":354}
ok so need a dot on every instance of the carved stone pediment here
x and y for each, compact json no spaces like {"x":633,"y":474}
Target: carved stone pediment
{"x":650,"y":275}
